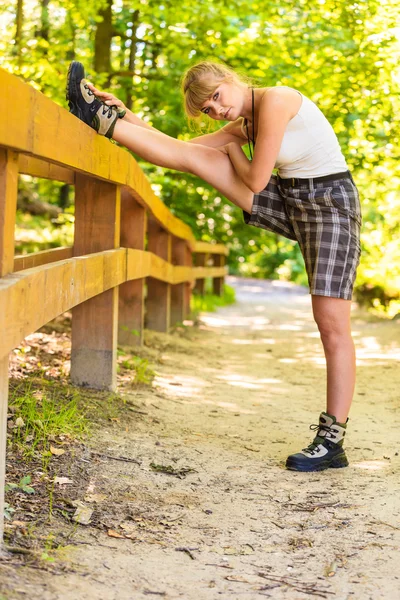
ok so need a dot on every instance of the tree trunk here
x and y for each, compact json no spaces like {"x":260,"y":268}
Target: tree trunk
{"x":102,"y":40}
{"x":18,"y":33}
{"x":132,"y":56}
{"x":63,"y":199}
{"x":45,"y":21}
{"x":70,"y":54}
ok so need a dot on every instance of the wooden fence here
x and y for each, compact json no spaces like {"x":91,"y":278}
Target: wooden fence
{"x":132,"y":264}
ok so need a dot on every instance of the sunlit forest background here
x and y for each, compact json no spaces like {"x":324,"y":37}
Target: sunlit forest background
{"x":345,"y":56}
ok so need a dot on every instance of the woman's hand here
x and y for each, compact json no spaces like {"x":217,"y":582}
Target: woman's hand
{"x":106,"y":97}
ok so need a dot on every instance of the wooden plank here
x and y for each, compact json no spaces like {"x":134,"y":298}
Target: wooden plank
{"x":218,"y":282}
{"x":178,"y":291}
{"x":132,"y":293}
{"x":95,"y":322}
{"x":190,"y":285}
{"x":204,"y":272}
{"x":210,"y":248}
{"x":29,"y":165}
{"x":37,"y":122}
{"x":17,"y":108}
{"x":8,"y":207}
{"x":158,"y":300}
{"x":28,"y":261}
{"x":31,"y":298}
{"x":201,"y":260}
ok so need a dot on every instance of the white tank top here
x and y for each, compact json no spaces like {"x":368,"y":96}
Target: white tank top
{"x":309,"y":147}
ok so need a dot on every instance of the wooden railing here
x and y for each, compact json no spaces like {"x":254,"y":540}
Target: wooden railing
{"x":132,"y":260}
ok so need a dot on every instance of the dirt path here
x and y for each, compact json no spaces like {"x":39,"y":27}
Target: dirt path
{"x":230,"y":401}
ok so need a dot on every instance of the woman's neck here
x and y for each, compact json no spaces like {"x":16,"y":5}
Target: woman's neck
{"x":247,"y":104}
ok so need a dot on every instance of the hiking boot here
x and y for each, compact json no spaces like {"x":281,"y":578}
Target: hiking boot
{"x":325,"y":451}
{"x":86,"y":106}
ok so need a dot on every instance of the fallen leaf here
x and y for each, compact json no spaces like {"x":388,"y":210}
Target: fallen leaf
{"x":128,"y":527}
{"x":114,"y":534}
{"x":57,"y":451}
{"x":19,"y":422}
{"x":82,"y":515}
{"x":62,"y":480}
{"x":95,"y":497}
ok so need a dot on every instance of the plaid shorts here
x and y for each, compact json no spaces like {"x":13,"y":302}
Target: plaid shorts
{"x":324,"y":217}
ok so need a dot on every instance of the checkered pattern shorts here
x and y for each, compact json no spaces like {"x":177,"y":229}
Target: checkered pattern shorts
{"x":325,"y":219}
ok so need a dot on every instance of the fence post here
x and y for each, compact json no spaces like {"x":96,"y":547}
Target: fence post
{"x":158,"y":301}
{"x":178,"y":291}
{"x":189,"y":285}
{"x":218,"y":282}
{"x":95,"y":322}
{"x":201,"y":261}
{"x":8,"y":207}
{"x":131,"y":293}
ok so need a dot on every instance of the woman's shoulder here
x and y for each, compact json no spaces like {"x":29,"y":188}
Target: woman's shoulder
{"x":281,"y":91}
{"x":282,"y":94}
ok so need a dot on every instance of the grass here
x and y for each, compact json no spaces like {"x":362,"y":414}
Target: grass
{"x":210,"y":302}
{"x":143,"y":374}
{"x":41,"y":411}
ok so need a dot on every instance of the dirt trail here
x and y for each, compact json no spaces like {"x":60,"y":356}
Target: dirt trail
{"x":230,"y":401}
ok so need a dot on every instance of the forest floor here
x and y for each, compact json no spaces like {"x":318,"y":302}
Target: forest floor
{"x":184,"y":485}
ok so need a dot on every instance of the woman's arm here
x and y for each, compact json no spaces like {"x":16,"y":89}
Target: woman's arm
{"x":277,"y":107}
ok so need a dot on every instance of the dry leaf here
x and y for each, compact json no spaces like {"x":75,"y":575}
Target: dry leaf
{"x":19,"y":422}
{"x":82,"y":515}
{"x":56,"y":451}
{"x":114,"y":534}
{"x":62,"y":480}
{"x":95,"y":497}
{"x":129,"y":527}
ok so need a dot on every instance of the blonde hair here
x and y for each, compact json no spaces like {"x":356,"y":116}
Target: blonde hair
{"x":200,"y":81}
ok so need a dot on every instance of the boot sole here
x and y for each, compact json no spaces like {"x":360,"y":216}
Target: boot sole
{"x":76,"y":72}
{"x":339,"y":462}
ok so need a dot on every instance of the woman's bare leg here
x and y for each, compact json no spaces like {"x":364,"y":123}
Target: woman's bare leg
{"x":332,"y":316}
{"x":209,"y":164}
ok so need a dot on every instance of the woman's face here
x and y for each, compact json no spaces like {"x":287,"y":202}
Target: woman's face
{"x":225,"y":103}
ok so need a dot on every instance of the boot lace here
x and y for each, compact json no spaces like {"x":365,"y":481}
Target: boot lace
{"x":311,"y":448}
{"x":89,"y":91}
{"x":107,"y":110}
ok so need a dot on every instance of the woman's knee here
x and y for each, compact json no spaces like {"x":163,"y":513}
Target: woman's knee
{"x":332,"y":316}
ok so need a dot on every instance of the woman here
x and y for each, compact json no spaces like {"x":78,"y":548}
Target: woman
{"x":313,"y":200}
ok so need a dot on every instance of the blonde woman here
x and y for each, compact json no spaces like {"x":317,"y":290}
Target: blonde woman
{"x":312,"y":200}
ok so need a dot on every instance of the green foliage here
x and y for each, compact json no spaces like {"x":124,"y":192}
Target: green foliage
{"x":8,"y":512}
{"x":143,"y":374}
{"x":23,"y":485}
{"x":210,"y":302}
{"x":34,"y":233}
{"x":344,"y":56}
{"x":41,"y":414}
